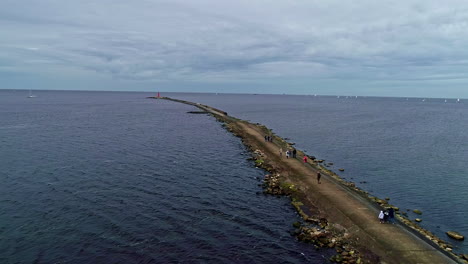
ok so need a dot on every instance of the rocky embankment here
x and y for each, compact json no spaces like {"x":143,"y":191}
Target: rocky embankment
{"x":350,"y":243}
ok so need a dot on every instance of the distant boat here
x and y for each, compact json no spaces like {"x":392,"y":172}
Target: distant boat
{"x":423,"y":100}
{"x":445,"y":100}
{"x":338,"y":96}
{"x":458,"y":100}
{"x":31,"y":95}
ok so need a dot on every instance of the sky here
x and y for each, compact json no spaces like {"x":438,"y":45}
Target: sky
{"x":327,"y":47}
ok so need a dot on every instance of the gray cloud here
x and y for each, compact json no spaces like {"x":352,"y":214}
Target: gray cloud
{"x":232,"y":41}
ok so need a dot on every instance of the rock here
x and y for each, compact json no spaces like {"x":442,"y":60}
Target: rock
{"x":465,"y":256}
{"x":297,"y":224}
{"x":341,"y":169}
{"x":455,"y":235}
{"x":418,"y":220}
{"x":386,"y":198}
{"x":417,"y":211}
{"x":380,"y":201}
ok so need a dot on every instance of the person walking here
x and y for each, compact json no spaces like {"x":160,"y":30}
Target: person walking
{"x":391,"y":215}
{"x":294,"y":153}
{"x":288,"y":153}
{"x":318,"y":177}
{"x":385,"y":216}
{"x":381,"y":217}
{"x":304,"y":159}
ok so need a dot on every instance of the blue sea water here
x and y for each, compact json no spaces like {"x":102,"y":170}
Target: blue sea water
{"x":411,"y":150}
{"x":107,"y":177}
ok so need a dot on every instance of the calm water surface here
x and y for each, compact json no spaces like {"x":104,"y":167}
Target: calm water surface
{"x":95,"y":177}
{"x":412,"y":151}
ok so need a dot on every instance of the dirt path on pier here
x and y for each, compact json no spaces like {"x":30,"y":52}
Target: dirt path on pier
{"x":333,"y":200}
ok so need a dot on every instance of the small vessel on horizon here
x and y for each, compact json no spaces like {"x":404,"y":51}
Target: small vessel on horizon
{"x":31,"y":95}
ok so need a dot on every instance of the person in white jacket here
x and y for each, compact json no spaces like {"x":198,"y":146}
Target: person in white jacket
{"x":381,"y":217}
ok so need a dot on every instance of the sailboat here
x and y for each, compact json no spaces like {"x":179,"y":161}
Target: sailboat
{"x":30,"y":94}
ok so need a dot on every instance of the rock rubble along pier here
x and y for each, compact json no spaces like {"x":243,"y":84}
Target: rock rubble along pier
{"x":335,"y":213}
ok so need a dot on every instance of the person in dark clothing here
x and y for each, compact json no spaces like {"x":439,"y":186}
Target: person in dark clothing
{"x":318,"y":177}
{"x":266,"y":138}
{"x":385,"y":217}
{"x":294,"y":153}
{"x":391,"y":215}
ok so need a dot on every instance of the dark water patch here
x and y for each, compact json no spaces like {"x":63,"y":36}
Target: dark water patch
{"x":116,"y":178}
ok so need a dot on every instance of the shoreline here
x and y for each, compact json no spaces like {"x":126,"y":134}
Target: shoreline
{"x":336,"y":214}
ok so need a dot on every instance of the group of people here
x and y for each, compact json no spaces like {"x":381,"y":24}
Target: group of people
{"x":289,"y":153}
{"x":387,"y":216}
{"x":292,"y":153}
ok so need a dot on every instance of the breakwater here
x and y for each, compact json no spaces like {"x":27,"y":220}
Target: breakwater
{"x":335,"y":213}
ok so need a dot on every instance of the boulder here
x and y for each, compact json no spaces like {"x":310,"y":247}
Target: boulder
{"x":341,"y":169}
{"x":455,"y":235}
{"x":417,"y":211}
{"x":465,"y":256}
{"x":418,"y":220}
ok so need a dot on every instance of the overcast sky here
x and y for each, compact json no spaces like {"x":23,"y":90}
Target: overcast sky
{"x":362,"y":47}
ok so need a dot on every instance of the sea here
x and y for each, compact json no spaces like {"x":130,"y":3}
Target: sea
{"x":114,"y":177}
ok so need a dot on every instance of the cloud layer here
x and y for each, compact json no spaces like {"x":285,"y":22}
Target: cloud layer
{"x":249,"y":42}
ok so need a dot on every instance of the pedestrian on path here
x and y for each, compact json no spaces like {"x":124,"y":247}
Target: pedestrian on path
{"x":288,"y":154}
{"x":391,"y":215}
{"x":318,"y":177}
{"x":294,"y":153}
{"x":381,"y":217}
{"x":304,"y":159}
{"x":385,"y":216}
